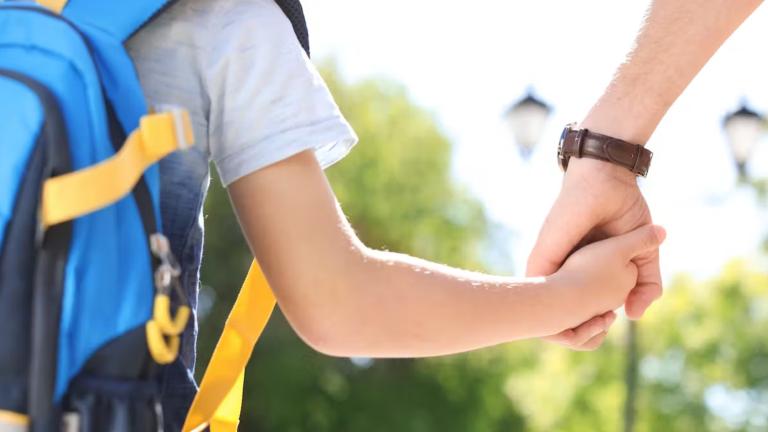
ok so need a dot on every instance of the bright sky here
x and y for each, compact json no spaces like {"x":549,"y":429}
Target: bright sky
{"x":468,"y":61}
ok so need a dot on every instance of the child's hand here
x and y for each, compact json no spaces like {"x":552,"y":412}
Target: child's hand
{"x":598,"y":277}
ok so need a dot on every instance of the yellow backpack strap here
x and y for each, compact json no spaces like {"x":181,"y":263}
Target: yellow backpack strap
{"x":72,"y":195}
{"x":53,"y":5}
{"x":227,"y":416}
{"x":13,"y":422}
{"x":221,"y":391}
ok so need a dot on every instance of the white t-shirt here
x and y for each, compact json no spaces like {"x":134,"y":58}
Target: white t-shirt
{"x":253,"y":95}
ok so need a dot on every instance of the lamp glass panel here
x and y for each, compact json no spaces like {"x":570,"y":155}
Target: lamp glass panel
{"x":743,"y":133}
{"x":527,"y":122}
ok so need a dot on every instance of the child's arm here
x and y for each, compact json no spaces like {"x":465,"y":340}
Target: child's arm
{"x":347,"y":300}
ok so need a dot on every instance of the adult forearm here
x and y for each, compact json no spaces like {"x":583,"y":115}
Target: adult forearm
{"x":677,"y":38}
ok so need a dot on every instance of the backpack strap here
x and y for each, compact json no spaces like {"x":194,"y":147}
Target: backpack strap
{"x":53,"y":5}
{"x":295,"y":13}
{"x":219,"y":399}
{"x":75,"y":194}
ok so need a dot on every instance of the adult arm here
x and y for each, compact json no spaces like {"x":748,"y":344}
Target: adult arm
{"x":676,"y":40}
{"x":599,"y":200}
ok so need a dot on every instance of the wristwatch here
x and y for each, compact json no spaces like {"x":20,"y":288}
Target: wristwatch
{"x":585,"y":143}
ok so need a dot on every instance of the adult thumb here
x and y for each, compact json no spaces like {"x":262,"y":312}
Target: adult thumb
{"x":567,"y":223}
{"x":641,"y":240}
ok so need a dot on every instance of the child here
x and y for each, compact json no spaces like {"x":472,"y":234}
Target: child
{"x":264,"y":116}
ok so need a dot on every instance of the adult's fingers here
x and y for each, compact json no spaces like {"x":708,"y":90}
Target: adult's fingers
{"x":567,"y":223}
{"x":642,"y":247}
{"x":648,"y":287}
{"x":641,"y":242}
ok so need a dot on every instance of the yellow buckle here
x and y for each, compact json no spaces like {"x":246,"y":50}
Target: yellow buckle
{"x":162,"y":350}
{"x":181,"y":124}
{"x":164,"y":328}
{"x":169,"y":325}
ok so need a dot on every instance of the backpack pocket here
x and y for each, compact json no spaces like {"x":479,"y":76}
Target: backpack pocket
{"x":97,"y":403}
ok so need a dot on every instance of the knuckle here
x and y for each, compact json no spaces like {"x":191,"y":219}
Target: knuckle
{"x":649,"y":241}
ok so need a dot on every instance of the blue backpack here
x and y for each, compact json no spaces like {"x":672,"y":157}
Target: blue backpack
{"x":86,"y":275}
{"x":89,"y":290}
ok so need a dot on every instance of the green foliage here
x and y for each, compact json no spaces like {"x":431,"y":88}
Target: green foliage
{"x":699,"y":337}
{"x":705,"y":335}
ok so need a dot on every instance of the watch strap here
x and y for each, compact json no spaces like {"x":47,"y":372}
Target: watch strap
{"x":585,"y":143}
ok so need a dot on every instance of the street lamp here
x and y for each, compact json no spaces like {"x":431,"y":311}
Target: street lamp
{"x":743,"y":129}
{"x":527,"y":118}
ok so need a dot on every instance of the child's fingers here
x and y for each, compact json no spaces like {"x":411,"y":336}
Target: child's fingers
{"x":586,"y":331}
{"x":593,"y":343}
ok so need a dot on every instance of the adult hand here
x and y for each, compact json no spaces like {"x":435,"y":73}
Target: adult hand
{"x":597,"y":200}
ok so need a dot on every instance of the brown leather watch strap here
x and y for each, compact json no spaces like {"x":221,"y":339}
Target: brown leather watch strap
{"x":584,"y":143}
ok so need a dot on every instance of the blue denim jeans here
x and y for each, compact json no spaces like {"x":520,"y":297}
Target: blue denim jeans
{"x":184,"y":179}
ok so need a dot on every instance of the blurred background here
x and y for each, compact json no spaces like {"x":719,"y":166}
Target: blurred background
{"x":458,"y":107}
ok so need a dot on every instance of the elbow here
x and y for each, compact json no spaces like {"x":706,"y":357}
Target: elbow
{"x":325,"y":311}
{"x":326,"y":329}
{"x":324,"y":339}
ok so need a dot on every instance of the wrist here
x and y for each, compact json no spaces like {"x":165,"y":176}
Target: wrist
{"x":579,"y":302}
{"x":631,"y":118}
{"x":557,"y":305}
{"x":620,"y":124}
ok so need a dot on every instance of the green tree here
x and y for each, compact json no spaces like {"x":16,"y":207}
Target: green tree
{"x":707,"y":339}
{"x":702,"y":341}
{"x":397,"y":190}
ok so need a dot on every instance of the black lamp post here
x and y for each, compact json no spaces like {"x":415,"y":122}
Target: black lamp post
{"x":743,"y":128}
{"x":527,"y":119}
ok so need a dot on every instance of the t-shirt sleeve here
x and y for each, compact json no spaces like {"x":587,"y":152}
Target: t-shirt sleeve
{"x":267,"y":100}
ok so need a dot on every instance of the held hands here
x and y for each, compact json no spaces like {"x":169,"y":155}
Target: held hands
{"x":597,"y":278}
{"x":598,"y":200}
